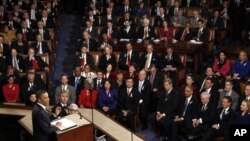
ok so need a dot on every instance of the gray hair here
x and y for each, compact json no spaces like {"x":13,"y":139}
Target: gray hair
{"x":73,"y":106}
{"x":205,"y":94}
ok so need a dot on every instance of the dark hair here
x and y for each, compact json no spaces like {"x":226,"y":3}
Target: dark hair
{"x":107,"y":80}
{"x":200,"y":20}
{"x":229,"y":81}
{"x":39,"y":93}
{"x":64,"y":75}
{"x":229,"y":98}
{"x":210,"y":79}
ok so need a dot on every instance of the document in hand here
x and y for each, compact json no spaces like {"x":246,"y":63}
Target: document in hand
{"x":65,"y":123}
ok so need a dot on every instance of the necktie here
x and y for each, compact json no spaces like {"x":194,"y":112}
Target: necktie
{"x":183,"y":35}
{"x":128,"y":59}
{"x":76,"y":83}
{"x":199,"y":34}
{"x":223,"y":113}
{"x":148,"y":61}
{"x":25,"y":38}
{"x":34,"y":64}
{"x":152,"y":79}
{"x":185,"y":108}
{"x":98,"y":84}
{"x":145,"y":33}
{"x":128,"y":92}
{"x":83,"y":61}
{"x":203,"y":108}
{"x":40,"y":48}
{"x":140,"y":86}
{"x":15,"y":64}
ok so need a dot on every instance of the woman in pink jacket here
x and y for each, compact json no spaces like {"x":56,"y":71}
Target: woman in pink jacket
{"x":221,"y":64}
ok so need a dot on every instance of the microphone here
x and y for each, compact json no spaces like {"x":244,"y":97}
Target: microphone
{"x":80,"y":114}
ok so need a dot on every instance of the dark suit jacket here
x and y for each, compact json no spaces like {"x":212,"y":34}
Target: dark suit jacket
{"x":22,"y":48}
{"x":191,"y":108}
{"x":6,"y":49}
{"x":151,"y":32}
{"x":103,"y":61}
{"x":45,"y":47}
{"x":123,"y":59}
{"x":46,"y":34}
{"x":105,"y":20}
{"x":219,"y":24}
{"x":171,"y":11}
{"x":203,"y":36}
{"x":214,"y":96}
{"x":93,"y":33}
{"x":174,"y":61}
{"x":131,"y":34}
{"x":122,"y":20}
{"x":92,"y":44}
{"x":89,"y":60}
{"x":191,"y":4}
{"x":95,"y":83}
{"x":114,"y":33}
{"x":226,"y":120}
{"x":30,"y":36}
{"x":154,"y":60}
{"x":42,"y":129}
{"x":122,"y":10}
{"x":129,"y":102}
{"x":158,"y":81}
{"x":63,"y":112}
{"x":96,"y":20}
{"x":79,"y":85}
{"x":49,"y":23}
{"x":40,"y":62}
{"x":25,"y":88}
{"x":169,"y":104}
{"x":9,"y":61}
{"x":207,"y":115}
{"x":32,"y":23}
{"x":13,"y":25}
{"x":158,"y":20}
{"x":145,"y":92}
{"x":179,"y":34}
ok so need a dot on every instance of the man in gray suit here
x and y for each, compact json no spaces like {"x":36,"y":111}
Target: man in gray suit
{"x":65,"y":87}
{"x":228,"y":91}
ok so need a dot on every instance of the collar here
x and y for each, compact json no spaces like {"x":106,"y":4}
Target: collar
{"x":170,"y":90}
{"x":141,"y":81}
{"x":208,"y":90}
{"x":129,"y":89}
{"x":226,"y":110}
{"x":63,"y":104}
{"x":41,"y":105}
{"x":189,"y":98}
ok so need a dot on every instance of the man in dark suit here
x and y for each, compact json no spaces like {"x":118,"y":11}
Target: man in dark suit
{"x":146,"y":31}
{"x":173,"y":10}
{"x":44,"y":32}
{"x":160,"y":18}
{"x":156,"y":8}
{"x":62,"y":105}
{"x":98,"y":81}
{"x":208,"y":74}
{"x":14,"y":60}
{"x":203,"y":118}
{"x":92,"y":30}
{"x":42,"y":128}
{"x":128,"y":57}
{"x":171,"y":63}
{"x":84,"y":58}
{"x":30,"y":85}
{"x":20,"y":45}
{"x":34,"y":61}
{"x":144,"y":87}
{"x":40,"y":46}
{"x":27,"y":32}
{"x":108,"y":17}
{"x":156,"y":80}
{"x":127,"y":31}
{"x":4,"y":48}
{"x":11,"y":23}
{"x":221,"y":125}
{"x":107,"y":58}
{"x":214,"y":94}
{"x":77,"y":81}
{"x":184,"y":33}
{"x":128,"y":101}
{"x":126,"y":7}
{"x":48,"y":21}
{"x":3,"y":14}
{"x":126,"y":17}
{"x":30,"y":23}
{"x":91,"y":17}
{"x":110,"y":30}
{"x":188,"y":3}
{"x":88,"y":41}
{"x":216,"y":21}
{"x":148,"y":58}
{"x":169,"y":101}
{"x":186,"y":113}
{"x":201,"y":34}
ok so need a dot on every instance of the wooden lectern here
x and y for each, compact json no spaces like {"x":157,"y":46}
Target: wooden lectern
{"x":82,"y":132}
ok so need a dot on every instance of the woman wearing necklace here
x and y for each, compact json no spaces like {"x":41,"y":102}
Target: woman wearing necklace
{"x":221,"y":64}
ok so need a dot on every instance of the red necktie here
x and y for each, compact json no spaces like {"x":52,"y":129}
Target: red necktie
{"x":34,"y":64}
{"x":128,"y":93}
{"x":183,"y":35}
{"x":129,"y":60}
{"x":25,"y":35}
{"x":83,"y":61}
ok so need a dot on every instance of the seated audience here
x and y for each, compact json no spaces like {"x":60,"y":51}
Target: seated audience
{"x":165,"y":33}
{"x":145,"y":31}
{"x":161,"y":17}
{"x":88,"y":96}
{"x":104,"y":41}
{"x":109,"y":72}
{"x":20,"y":45}
{"x":190,"y":81}
{"x":243,"y":117}
{"x":179,"y":20}
{"x":107,"y":98}
{"x":127,"y":32}
{"x":76,"y":80}
{"x":241,"y":67}
{"x":44,"y":32}
{"x":201,"y":33}
{"x":110,"y":30}
{"x":84,"y":57}
{"x":149,"y":57}
{"x":98,"y":81}
{"x":88,"y":41}
{"x":40,"y":46}
{"x":107,"y":58}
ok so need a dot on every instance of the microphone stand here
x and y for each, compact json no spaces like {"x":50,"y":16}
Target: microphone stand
{"x":80,"y":114}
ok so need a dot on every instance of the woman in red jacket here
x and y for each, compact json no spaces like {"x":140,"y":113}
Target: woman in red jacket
{"x":221,"y":64}
{"x":165,"y":32}
{"x":11,"y":90}
{"x":88,"y":95}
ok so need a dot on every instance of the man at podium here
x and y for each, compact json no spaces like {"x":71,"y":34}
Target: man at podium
{"x":42,"y":128}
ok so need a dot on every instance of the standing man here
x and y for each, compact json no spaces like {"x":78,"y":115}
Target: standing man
{"x":42,"y":129}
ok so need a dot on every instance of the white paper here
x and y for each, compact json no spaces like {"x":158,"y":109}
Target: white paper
{"x":66,"y":123}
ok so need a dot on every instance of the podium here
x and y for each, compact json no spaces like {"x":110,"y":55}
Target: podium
{"x":83,"y":131}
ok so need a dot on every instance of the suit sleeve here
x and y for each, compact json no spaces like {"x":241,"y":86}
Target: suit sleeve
{"x":43,"y":121}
